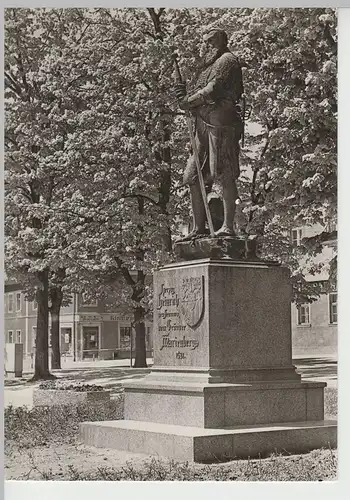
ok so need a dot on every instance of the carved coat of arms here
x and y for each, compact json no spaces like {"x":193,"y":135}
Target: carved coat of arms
{"x":192,"y":299}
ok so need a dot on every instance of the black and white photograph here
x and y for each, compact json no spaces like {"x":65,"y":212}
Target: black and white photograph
{"x":170,"y":244}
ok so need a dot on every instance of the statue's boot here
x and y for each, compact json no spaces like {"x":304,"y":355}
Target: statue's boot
{"x":194,"y":234}
{"x":225,"y":231}
{"x":230,"y":195}
{"x":198,"y":212}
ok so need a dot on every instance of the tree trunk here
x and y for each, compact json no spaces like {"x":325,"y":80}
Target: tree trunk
{"x":56,"y":302}
{"x":41,"y":369}
{"x":163,"y":155}
{"x":140,"y":338}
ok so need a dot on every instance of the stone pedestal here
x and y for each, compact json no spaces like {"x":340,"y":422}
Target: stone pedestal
{"x":231,"y":247}
{"x":13,"y":360}
{"x":222,"y":369}
{"x":222,"y":321}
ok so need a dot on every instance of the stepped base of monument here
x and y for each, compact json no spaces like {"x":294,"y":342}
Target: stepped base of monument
{"x":209,"y":445}
{"x":206,"y":405}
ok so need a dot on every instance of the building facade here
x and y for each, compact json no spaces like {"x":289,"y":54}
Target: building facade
{"x":87,"y":330}
{"x":315,"y":325}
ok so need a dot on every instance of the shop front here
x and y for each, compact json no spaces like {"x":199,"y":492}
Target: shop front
{"x":108,"y":336}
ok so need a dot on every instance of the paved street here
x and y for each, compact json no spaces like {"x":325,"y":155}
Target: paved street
{"x":111,"y":375}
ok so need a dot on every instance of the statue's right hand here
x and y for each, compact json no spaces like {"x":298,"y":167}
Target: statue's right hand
{"x":180,"y":90}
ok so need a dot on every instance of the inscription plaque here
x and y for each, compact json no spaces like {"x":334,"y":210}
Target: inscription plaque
{"x":179,"y":309}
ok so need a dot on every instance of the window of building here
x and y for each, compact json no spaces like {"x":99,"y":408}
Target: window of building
{"x":296,"y":236}
{"x":18,"y":301}
{"x":66,"y":339}
{"x":66,"y":335}
{"x":125,"y":337}
{"x":304,"y":314}
{"x":33,"y":336}
{"x":18,"y":336}
{"x":90,"y":341}
{"x":148,"y":336}
{"x":10,"y":336}
{"x":331,"y":226}
{"x":333,"y":308}
{"x":35,"y":305}
{"x":10,"y":302}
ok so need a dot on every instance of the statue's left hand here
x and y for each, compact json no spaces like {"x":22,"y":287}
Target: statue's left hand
{"x":183,"y":103}
{"x":180,"y":90}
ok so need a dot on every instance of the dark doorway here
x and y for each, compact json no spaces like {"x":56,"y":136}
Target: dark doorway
{"x":90,"y":342}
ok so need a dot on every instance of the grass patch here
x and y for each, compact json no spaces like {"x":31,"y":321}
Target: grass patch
{"x":44,"y":426}
{"x":319,"y":465}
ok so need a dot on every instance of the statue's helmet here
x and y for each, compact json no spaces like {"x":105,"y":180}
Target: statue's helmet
{"x":213,"y":33}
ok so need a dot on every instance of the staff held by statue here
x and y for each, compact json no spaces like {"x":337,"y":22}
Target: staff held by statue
{"x":179,"y":80}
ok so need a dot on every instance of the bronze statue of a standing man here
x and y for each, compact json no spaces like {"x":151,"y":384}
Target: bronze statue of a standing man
{"x":218,"y":129}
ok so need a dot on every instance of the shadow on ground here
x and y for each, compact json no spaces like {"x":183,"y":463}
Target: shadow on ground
{"x":322,"y":367}
{"x":109,"y":377}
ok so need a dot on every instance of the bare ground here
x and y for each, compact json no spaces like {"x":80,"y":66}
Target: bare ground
{"x":44,"y":462}
{"x":80,"y":462}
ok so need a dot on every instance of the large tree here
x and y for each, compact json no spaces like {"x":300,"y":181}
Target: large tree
{"x":28,"y":185}
{"x":35,"y":135}
{"x":290,"y":72}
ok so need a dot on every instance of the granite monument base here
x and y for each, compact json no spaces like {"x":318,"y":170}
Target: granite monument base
{"x":215,"y":406}
{"x":196,"y":444}
{"x":223,"y":382}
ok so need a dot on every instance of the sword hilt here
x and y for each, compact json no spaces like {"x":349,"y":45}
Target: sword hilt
{"x":178,"y":77}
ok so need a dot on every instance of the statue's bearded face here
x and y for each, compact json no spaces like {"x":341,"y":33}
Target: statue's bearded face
{"x":211,"y":50}
{"x":210,"y":54}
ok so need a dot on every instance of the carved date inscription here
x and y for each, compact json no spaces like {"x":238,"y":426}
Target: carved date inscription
{"x":180,"y":355}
